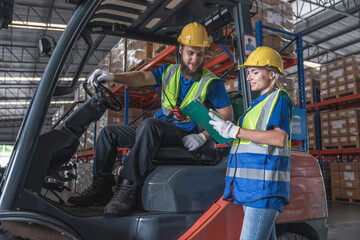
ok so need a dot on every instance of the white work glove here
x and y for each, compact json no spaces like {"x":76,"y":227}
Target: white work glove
{"x":194,"y":141}
{"x":100,"y":76}
{"x":226,"y":129}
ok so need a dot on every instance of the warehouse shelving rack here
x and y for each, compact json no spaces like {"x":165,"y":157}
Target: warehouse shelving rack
{"x":317,"y":106}
{"x":328,"y":105}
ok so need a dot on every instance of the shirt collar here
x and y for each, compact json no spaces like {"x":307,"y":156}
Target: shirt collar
{"x":189,"y":80}
{"x":259,"y":99}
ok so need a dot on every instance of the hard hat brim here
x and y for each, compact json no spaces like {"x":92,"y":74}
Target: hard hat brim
{"x":245,"y":66}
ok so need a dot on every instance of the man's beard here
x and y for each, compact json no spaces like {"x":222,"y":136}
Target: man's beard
{"x":189,"y":73}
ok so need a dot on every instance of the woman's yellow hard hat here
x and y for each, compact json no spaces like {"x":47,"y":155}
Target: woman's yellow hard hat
{"x":194,"y":34}
{"x":264,"y":56}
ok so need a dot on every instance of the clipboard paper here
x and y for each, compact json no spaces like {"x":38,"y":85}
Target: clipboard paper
{"x":200,"y":114}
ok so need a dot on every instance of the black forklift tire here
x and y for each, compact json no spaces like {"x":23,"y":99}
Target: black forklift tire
{"x":291,"y":236}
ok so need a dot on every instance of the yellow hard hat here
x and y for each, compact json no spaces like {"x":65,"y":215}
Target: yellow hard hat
{"x":194,"y":34}
{"x":264,"y":56}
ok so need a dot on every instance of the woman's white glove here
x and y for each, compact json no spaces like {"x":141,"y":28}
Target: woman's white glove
{"x":226,"y":129}
{"x":194,"y":141}
{"x":100,"y":76}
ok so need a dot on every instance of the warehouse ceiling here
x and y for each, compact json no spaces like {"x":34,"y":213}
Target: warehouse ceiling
{"x":330,"y":30}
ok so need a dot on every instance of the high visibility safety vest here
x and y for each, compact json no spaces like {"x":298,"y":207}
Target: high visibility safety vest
{"x":257,"y":171}
{"x":171,"y":86}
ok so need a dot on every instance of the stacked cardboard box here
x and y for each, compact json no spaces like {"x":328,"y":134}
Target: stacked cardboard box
{"x":345,"y":182}
{"x":276,"y":14}
{"x":311,"y":81}
{"x":85,"y":175}
{"x":138,"y":52}
{"x":109,"y":118}
{"x":158,"y":48}
{"x":340,"y":78}
{"x":327,"y":175}
{"x":340,"y":129}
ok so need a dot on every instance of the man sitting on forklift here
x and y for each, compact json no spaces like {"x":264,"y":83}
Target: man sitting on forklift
{"x":181,"y":83}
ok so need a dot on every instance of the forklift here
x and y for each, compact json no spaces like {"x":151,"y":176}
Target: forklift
{"x":182,"y":197}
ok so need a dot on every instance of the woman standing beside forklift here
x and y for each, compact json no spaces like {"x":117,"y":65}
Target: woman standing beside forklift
{"x":258,"y":172}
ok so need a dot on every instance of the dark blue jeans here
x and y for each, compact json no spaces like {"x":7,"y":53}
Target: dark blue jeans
{"x":144,"y":141}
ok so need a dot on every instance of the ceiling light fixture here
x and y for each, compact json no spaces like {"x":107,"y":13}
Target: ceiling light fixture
{"x":34,"y":79}
{"x":2,"y":102}
{"x":38,"y":25}
{"x":312,"y":64}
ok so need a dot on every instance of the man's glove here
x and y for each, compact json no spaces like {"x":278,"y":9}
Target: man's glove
{"x":194,"y":141}
{"x":225,"y":128}
{"x":100,"y":76}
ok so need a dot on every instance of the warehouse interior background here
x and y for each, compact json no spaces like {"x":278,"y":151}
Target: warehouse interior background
{"x":330,"y":31}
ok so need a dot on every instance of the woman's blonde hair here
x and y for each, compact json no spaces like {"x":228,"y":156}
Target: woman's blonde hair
{"x":276,"y":84}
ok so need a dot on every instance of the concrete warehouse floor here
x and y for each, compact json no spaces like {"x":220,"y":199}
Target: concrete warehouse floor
{"x":343,"y":221}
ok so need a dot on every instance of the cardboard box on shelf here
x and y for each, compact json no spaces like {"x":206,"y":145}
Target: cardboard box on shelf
{"x":325,"y":141}
{"x":333,"y":115}
{"x":342,"y":89}
{"x":349,"y":166}
{"x":354,"y":141}
{"x":335,"y":192}
{"x":334,"y":167}
{"x":158,"y":48}
{"x":349,"y":184}
{"x":335,"y":183}
{"x":332,"y":82}
{"x":334,"y":142}
{"x":332,"y":92}
{"x":353,"y":120}
{"x":350,"y":193}
{"x":324,"y":93}
{"x":353,"y":87}
{"x":352,"y":68}
{"x":335,"y":126}
{"x":351,"y":59}
{"x":311,"y":74}
{"x":138,"y":52}
{"x":325,"y":129}
{"x":349,"y":175}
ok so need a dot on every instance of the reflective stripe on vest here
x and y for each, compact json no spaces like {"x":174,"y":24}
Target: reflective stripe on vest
{"x":267,"y":175}
{"x":170,"y":84}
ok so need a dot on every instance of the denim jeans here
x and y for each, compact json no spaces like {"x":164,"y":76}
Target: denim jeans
{"x":259,"y":224}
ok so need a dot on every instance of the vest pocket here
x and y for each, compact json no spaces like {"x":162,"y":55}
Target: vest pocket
{"x":255,"y":173}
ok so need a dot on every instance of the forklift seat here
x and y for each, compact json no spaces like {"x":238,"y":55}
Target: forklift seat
{"x":207,"y":154}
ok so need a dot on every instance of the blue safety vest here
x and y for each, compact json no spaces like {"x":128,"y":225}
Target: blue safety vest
{"x":257,"y":171}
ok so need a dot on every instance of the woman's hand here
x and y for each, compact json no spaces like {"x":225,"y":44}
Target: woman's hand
{"x":225,"y":128}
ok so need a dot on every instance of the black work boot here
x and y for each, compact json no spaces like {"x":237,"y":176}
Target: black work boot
{"x":124,"y":199}
{"x":99,"y":193}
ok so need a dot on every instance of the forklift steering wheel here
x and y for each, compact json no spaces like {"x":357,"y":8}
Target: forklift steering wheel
{"x":102,"y":90}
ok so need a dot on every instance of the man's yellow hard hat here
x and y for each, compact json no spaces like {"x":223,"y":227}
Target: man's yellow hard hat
{"x":194,"y":34}
{"x":264,"y":56}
